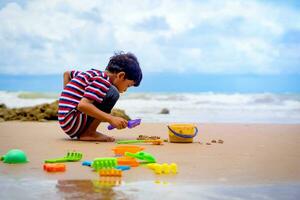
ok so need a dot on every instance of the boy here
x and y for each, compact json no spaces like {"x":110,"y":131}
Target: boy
{"x":88,"y":97}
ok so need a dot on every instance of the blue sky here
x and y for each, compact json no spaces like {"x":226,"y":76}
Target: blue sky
{"x":200,"y":37}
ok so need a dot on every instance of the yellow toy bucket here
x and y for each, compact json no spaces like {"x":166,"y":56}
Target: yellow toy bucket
{"x":182,"y":133}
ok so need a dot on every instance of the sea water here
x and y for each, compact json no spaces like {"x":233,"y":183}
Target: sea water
{"x":204,"y":107}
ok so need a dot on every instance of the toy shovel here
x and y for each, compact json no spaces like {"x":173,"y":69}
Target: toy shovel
{"x":156,"y":142}
{"x":131,"y":124}
{"x":149,"y":158}
{"x":70,"y":157}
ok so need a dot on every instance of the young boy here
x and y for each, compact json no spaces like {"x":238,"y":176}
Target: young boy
{"x":88,"y":97}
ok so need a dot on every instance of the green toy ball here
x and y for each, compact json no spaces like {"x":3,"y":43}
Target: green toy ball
{"x":14,"y":156}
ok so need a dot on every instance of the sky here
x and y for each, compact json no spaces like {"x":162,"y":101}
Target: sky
{"x":171,"y":36}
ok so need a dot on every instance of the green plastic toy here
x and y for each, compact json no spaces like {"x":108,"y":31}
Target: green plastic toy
{"x":157,"y":142}
{"x":149,"y":158}
{"x":15,"y":156}
{"x":107,"y":163}
{"x":70,"y":157}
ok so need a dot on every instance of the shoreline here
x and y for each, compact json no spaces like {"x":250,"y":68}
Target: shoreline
{"x":250,"y":154}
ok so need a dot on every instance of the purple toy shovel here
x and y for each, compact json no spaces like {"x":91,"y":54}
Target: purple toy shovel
{"x":131,"y":124}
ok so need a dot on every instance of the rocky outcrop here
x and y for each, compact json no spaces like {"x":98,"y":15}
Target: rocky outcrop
{"x":165,"y":111}
{"x":43,"y":112}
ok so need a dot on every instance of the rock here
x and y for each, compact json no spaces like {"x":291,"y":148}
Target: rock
{"x":164,"y":111}
{"x":145,"y":137}
{"x":220,"y":141}
{"x":43,"y":112}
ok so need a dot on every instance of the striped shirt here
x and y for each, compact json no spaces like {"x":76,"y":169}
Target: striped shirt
{"x":92,"y":84}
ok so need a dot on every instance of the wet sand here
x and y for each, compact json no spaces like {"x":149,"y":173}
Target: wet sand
{"x":251,"y":153}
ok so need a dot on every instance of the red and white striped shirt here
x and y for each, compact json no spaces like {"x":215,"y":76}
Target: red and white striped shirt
{"x":92,"y":84}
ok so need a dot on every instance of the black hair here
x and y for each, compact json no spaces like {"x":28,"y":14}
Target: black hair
{"x":128,"y":63}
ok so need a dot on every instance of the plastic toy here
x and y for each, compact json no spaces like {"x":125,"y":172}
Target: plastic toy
{"x":156,"y":142}
{"x":86,"y":163}
{"x":182,"y":133}
{"x":106,"y":163}
{"x":54,"y":167}
{"x":120,"y":150}
{"x":123,"y":167}
{"x":70,"y":157}
{"x":142,"y":156}
{"x":110,"y":172}
{"x":128,"y":161}
{"x":163,"y":168}
{"x":131,"y":124}
{"x":15,"y":156}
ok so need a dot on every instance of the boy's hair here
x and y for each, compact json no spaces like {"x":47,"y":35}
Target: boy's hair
{"x":128,"y":63}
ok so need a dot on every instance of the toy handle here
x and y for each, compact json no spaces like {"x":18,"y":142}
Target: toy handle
{"x":182,"y":135}
{"x":110,"y":127}
{"x":130,"y":141}
{"x":59,"y":160}
{"x":130,"y":154}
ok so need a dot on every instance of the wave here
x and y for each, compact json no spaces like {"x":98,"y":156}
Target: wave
{"x":25,"y":99}
{"x":37,"y":95}
{"x":189,"y":107}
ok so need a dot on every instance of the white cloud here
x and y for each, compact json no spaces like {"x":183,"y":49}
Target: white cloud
{"x":203,"y":36}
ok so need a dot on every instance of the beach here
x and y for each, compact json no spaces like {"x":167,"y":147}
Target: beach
{"x":250,"y":155}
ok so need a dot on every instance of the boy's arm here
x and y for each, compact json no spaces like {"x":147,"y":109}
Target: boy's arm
{"x":67,"y":78}
{"x":85,"y":105}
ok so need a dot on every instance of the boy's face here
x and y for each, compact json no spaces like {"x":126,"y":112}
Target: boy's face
{"x":121,"y":83}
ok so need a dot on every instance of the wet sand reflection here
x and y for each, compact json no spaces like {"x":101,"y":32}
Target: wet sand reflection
{"x":90,"y":189}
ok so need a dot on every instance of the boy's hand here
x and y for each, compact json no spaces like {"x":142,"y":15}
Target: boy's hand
{"x":118,"y":122}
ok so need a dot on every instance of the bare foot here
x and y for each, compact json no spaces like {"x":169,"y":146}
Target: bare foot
{"x":96,"y":136}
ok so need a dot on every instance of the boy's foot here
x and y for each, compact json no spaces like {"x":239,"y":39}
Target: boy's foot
{"x":96,"y":136}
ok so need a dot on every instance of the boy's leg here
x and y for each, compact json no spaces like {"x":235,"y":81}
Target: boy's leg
{"x":90,"y":132}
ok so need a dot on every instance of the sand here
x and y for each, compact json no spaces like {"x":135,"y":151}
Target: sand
{"x":251,"y":153}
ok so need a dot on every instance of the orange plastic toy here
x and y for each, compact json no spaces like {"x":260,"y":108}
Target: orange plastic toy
{"x":110,"y":172}
{"x":54,"y":167}
{"x":129,"y":161}
{"x":120,"y":150}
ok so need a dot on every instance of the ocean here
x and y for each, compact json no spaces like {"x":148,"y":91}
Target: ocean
{"x":189,"y":98}
{"x":201,"y":107}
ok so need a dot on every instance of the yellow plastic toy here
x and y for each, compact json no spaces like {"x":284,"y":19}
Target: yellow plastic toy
{"x":182,"y":133}
{"x":163,"y":168}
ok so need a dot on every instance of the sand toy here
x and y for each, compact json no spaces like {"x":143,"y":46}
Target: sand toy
{"x":86,"y":163}
{"x":131,"y":124}
{"x":110,"y":172}
{"x":149,"y":158}
{"x":155,"y":142}
{"x":120,"y":150}
{"x":15,"y":156}
{"x":123,"y":167}
{"x":54,"y":167}
{"x":163,"y":168}
{"x":70,"y":157}
{"x":104,"y":163}
{"x":127,"y":161}
{"x":182,"y":133}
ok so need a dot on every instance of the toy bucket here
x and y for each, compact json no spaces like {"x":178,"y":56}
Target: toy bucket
{"x":182,"y":133}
